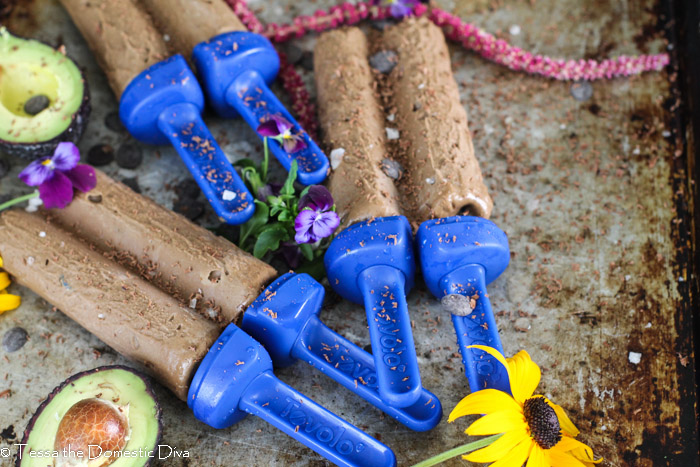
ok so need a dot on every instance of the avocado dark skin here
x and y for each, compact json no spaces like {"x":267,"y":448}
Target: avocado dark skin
{"x":115,"y":383}
{"x":19,"y":86}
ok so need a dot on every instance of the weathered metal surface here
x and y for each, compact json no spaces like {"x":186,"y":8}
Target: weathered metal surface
{"x":593,"y":195}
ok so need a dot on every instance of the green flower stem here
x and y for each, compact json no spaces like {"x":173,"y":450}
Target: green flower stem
{"x":265,"y":162}
{"x":465,"y":448}
{"x":12,"y":202}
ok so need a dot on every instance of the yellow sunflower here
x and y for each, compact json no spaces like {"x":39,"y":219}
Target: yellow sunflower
{"x":7,"y":301}
{"x":534,"y":429}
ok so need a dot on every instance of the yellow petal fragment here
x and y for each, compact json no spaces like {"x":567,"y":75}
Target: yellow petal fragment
{"x":1,"y":262}
{"x":577,"y":449}
{"x":497,"y":422}
{"x":484,"y":401}
{"x":9,"y":302}
{"x":524,"y":376}
{"x":564,"y":421}
{"x":4,"y":280}
{"x":537,"y":458}
{"x":517,"y":456}
{"x":497,"y":355}
{"x":498,"y":448}
{"x":562,"y":459}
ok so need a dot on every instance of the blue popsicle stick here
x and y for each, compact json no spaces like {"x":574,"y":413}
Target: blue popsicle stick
{"x":235,"y":378}
{"x":372,"y":263}
{"x":461,"y":255}
{"x":236,"y":69}
{"x":163,"y":104}
{"x":293,"y":331}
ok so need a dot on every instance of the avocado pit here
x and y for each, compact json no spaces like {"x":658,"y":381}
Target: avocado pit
{"x":107,"y":416}
{"x":94,"y":426}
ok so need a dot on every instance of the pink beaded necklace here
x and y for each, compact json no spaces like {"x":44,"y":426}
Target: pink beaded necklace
{"x":470,"y":36}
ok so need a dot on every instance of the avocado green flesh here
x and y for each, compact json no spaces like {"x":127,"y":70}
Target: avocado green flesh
{"x":29,"y":68}
{"x":118,"y":386}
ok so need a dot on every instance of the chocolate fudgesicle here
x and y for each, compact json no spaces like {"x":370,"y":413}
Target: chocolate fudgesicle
{"x":442,"y":174}
{"x":176,"y":254}
{"x":353,"y":128}
{"x":189,"y":22}
{"x":120,"y":36}
{"x":127,"y":313}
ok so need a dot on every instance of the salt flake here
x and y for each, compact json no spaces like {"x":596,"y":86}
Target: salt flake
{"x":635,"y":357}
{"x":337,"y":157}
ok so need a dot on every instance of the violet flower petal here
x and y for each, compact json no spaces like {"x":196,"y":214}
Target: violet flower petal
{"x":65,"y":157}
{"x":82,"y":177}
{"x":56,"y":192}
{"x":303,"y":225}
{"x":282,"y":124}
{"x":324,"y":224}
{"x":293,"y":144}
{"x":291,"y":253}
{"x":36,"y":173}
{"x":268,"y":128}
{"x":317,"y":197}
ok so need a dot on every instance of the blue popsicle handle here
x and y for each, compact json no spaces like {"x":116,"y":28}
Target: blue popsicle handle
{"x":398,"y":376}
{"x":477,"y":328}
{"x":309,"y":423}
{"x":352,"y":367}
{"x":224,"y":189}
{"x":254,"y":101}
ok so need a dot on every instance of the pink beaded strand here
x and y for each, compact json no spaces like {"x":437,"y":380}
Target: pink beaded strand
{"x":466,"y":34}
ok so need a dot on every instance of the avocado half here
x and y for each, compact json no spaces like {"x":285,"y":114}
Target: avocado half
{"x":105,"y":416}
{"x":44,"y":99}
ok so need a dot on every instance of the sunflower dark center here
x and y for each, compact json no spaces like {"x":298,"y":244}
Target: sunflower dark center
{"x":543,"y":422}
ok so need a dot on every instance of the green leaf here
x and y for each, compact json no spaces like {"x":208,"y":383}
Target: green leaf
{"x":307,"y":251}
{"x":315,"y":269}
{"x":285,"y":215}
{"x":269,"y":240}
{"x":304,"y":191}
{"x":244,"y":163}
{"x":288,"y":188}
{"x":254,"y":224}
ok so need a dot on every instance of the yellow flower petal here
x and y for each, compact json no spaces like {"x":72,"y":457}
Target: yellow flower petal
{"x":4,"y":280}
{"x":564,"y":421}
{"x":577,"y":449}
{"x":497,"y":355}
{"x":517,"y":456}
{"x":9,"y":302}
{"x":497,"y":422}
{"x":537,"y":458}
{"x":524,"y":376}
{"x":563,"y":459}
{"x":498,"y":448}
{"x":1,"y":262}
{"x":484,"y":401}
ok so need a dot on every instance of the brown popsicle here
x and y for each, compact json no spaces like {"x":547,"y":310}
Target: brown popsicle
{"x":351,"y":119}
{"x":120,"y":36}
{"x":178,"y":255}
{"x":189,"y":22}
{"x":129,"y":314}
{"x":442,"y":174}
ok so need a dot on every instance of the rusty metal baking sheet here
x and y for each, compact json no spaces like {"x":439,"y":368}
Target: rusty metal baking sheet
{"x":590,"y":191}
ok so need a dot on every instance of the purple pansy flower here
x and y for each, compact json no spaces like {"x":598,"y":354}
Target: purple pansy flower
{"x":279,"y":129}
{"x":316,"y":220}
{"x":56,"y":176}
{"x":398,"y":8}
